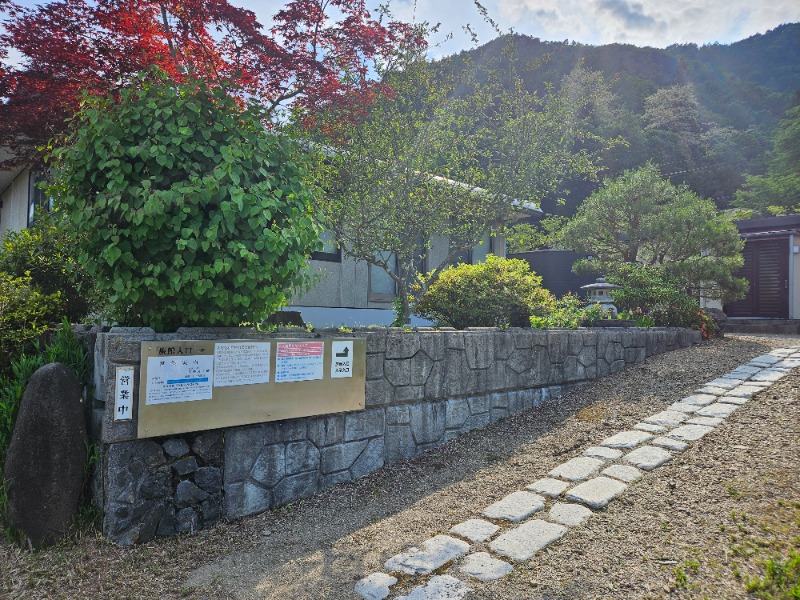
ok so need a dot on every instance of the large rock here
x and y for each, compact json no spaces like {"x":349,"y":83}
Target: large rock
{"x":45,"y":462}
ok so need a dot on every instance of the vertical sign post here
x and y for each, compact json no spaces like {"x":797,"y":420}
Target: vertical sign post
{"x":123,"y":394}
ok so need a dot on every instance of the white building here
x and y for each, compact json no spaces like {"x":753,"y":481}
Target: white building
{"x":18,"y":196}
{"x":346,"y":293}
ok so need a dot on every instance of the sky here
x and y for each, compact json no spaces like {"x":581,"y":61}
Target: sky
{"x":657,"y":23}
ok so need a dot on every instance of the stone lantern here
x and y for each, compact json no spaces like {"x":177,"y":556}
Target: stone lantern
{"x":600,"y":293}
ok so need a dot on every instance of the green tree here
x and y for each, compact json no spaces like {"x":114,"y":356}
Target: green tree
{"x":524,"y":237}
{"x":390,"y":179}
{"x":441,"y":157}
{"x":536,"y":142}
{"x":676,"y":110}
{"x":185,"y":210}
{"x":684,"y":139}
{"x":641,"y":218}
{"x":778,"y":191}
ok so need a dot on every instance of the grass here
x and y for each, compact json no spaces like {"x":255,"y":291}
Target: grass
{"x":770,"y":547}
{"x":681,"y":579}
{"x":593,"y":413}
{"x":682,"y":572}
{"x":781,"y":580}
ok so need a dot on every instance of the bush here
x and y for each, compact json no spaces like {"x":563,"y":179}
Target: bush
{"x":25,"y":314}
{"x":569,"y":312}
{"x":186,"y":211}
{"x":46,"y":254}
{"x":649,"y":294}
{"x":497,"y":293}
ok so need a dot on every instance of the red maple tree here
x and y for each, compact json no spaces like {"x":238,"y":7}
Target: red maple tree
{"x":317,"y":51}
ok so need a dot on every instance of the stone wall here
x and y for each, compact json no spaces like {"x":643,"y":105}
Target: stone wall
{"x":423,"y":388}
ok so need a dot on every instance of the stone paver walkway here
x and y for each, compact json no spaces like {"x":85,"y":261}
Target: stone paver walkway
{"x":524,"y":522}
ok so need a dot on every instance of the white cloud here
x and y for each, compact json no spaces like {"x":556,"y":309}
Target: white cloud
{"x":647,"y":22}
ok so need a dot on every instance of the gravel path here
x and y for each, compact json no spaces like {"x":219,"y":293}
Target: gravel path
{"x":334,"y":541}
{"x":696,"y":527}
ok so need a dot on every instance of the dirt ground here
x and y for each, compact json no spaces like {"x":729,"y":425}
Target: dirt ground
{"x":698,"y":527}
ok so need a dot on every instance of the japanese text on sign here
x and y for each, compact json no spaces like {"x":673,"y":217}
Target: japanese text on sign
{"x":123,"y":394}
{"x":241,"y":363}
{"x":298,"y":361}
{"x":341,"y":359}
{"x":179,"y":378}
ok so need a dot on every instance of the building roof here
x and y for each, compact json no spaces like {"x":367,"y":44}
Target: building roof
{"x":764,"y":227}
{"x":523,"y":209}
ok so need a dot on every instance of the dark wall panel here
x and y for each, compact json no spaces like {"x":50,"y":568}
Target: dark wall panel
{"x":555,"y":268}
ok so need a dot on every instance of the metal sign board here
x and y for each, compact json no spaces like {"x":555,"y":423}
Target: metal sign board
{"x":195,"y":385}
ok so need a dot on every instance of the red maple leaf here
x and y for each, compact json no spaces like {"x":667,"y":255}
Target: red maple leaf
{"x":317,"y":52}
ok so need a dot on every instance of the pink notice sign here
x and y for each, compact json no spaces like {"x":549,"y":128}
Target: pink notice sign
{"x":298,"y":361}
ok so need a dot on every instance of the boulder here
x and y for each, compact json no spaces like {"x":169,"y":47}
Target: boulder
{"x":45,"y":461}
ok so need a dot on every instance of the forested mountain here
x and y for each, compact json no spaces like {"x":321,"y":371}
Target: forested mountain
{"x":705,"y":115}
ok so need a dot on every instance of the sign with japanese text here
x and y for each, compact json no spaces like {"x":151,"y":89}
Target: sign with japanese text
{"x":123,"y":394}
{"x":299,"y":361}
{"x":184,"y":378}
{"x":241,"y":363}
{"x":195,"y":385}
{"x":342,"y":359}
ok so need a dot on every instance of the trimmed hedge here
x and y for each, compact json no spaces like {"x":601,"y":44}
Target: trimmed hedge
{"x":497,"y":293}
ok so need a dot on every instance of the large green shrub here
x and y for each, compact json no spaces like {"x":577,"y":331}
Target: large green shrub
{"x":25,"y":314}
{"x":186,"y":210}
{"x":650,"y":292}
{"x":46,"y":253}
{"x":496,"y":293}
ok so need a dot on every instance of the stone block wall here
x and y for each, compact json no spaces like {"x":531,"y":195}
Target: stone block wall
{"x":423,"y":388}
{"x":162,"y":487}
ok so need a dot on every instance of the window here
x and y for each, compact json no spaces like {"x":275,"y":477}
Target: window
{"x":382,"y":287}
{"x":38,"y":199}
{"x":331,"y":251}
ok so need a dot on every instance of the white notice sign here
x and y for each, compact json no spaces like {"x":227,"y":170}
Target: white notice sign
{"x":241,"y":363}
{"x":179,"y":378}
{"x":341,"y":359}
{"x":298,"y":361}
{"x":123,"y":394}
